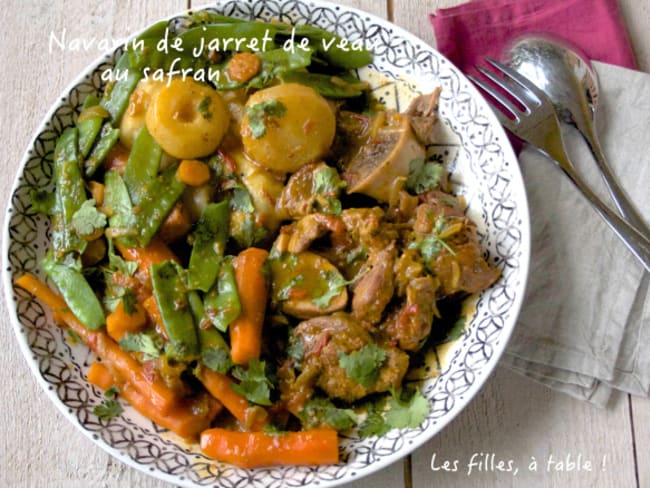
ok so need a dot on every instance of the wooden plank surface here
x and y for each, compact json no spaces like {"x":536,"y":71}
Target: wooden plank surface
{"x":512,"y":418}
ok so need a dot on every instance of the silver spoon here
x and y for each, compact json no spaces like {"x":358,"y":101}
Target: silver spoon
{"x":567,"y":77}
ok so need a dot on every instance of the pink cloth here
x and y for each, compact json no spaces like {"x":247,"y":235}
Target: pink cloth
{"x":466,"y":34}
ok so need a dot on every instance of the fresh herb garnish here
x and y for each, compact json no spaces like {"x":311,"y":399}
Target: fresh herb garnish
{"x":254,"y":384}
{"x":143,"y":343}
{"x":217,"y":359}
{"x":336,"y":283}
{"x":261,"y":113}
{"x":88,"y":219}
{"x":363,"y":366}
{"x":129,"y":301}
{"x":424,"y":175}
{"x":396,"y":413}
{"x":110,"y":407}
{"x":318,"y":411}
{"x":431,"y":245}
{"x":285,"y":292}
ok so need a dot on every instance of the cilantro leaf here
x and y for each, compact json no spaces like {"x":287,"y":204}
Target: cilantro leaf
{"x":111,"y":393}
{"x":363,"y":366}
{"x":336,"y":283}
{"x":375,"y":424}
{"x":117,"y":263}
{"x":204,"y":108}
{"x":217,"y":359}
{"x":129,"y":301}
{"x":260,"y":114}
{"x":327,"y":181}
{"x":284,"y":292}
{"x":141,"y":343}
{"x":423,"y":175}
{"x":108,"y":409}
{"x":87,"y":219}
{"x":254,"y":384}
{"x":318,"y":411}
{"x":456,"y":330}
{"x":410,"y":413}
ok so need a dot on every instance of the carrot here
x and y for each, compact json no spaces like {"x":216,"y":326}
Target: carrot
{"x":258,"y":449}
{"x":151,"y":306}
{"x":220,"y":387}
{"x":100,"y":376}
{"x":115,"y":358}
{"x":186,"y":419}
{"x":154,"y":252}
{"x":246,"y":330}
{"x":193,"y":172}
{"x":120,"y":322}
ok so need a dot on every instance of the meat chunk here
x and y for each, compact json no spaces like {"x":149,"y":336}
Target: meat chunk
{"x":464,"y":271}
{"x":422,"y":114}
{"x":299,"y":236}
{"x":325,"y":338}
{"x":375,"y":288}
{"x":411,"y":324}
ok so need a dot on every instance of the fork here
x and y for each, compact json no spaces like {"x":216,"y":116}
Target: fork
{"x":538,"y":125}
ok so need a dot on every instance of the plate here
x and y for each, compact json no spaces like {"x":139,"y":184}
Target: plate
{"x":484,"y":169}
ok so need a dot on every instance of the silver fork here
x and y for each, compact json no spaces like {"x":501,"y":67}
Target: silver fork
{"x":539,"y":126}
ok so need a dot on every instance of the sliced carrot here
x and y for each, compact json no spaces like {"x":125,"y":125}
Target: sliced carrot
{"x":220,"y":387}
{"x":246,"y":330}
{"x":153,"y":253}
{"x":120,"y":362}
{"x":100,"y":376}
{"x":119,"y":322}
{"x":193,"y":172}
{"x":258,"y":449}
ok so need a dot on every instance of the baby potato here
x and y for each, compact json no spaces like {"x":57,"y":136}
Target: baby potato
{"x":133,"y":118}
{"x":187,"y":119}
{"x":287,"y":126}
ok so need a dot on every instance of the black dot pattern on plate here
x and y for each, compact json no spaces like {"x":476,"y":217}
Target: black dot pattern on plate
{"x":481,"y":172}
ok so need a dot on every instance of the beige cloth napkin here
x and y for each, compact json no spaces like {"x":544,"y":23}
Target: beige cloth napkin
{"x":584,"y":328}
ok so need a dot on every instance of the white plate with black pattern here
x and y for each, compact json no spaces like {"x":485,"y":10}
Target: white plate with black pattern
{"x":484,"y":169}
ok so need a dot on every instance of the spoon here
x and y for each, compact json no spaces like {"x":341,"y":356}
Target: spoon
{"x":566,"y":75}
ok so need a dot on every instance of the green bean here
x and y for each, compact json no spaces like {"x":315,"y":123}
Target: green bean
{"x":157,"y":198}
{"x":143,"y":164}
{"x":209,"y":337}
{"x":76,"y":291}
{"x":254,"y":36}
{"x":221,"y":303}
{"x":90,"y":101}
{"x":107,"y":139}
{"x":149,"y":56}
{"x":279,"y":61}
{"x":117,"y":94}
{"x":326,"y":85}
{"x":209,"y":243}
{"x":70,"y":193}
{"x":205,"y":17}
{"x":171,"y":297}
{"x":335,"y":51}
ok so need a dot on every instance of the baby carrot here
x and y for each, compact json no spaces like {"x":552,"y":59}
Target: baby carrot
{"x":100,"y":376}
{"x":258,"y":449}
{"x":121,"y":321}
{"x":220,"y":387}
{"x":246,"y":330}
{"x":153,"y":253}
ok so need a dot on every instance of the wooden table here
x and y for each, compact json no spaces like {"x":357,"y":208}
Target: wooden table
{"x":511,"y":419}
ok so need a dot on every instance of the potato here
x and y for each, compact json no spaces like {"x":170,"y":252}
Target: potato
{"x":187,"y":119}
{"x":133,"y":119}
{"x":287,"y":126}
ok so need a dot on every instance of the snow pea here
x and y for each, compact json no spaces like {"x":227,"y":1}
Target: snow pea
{"x":157,"y":197}
{"x":209,"y":337}
{"x":117,"y":201}
{"x":70,"y":193}
{"x":143,"y":164}
{"x":208,"y":247}
{"x":107,"y":139}
{"x":327,"y":85}
{"x":170,"y":293}
{"x":222,"y":305}
{"x":117,"y":93}
{"x":76,"y":291}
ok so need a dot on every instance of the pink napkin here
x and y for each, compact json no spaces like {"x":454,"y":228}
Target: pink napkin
{"x":469,"y":32}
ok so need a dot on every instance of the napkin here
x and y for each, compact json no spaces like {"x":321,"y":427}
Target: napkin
{"x":584,"y":328}
{"x":467,"y":33}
